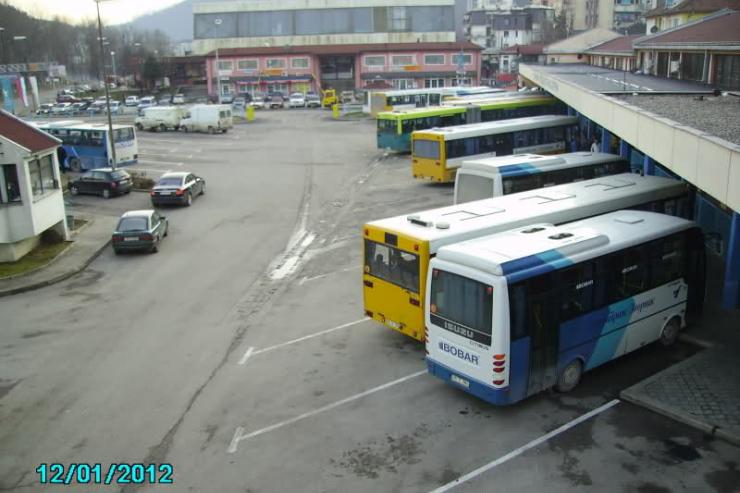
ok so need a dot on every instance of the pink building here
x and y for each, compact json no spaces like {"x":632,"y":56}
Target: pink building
{"x":342,"y":67}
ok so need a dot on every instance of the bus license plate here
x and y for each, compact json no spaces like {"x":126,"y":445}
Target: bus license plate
{"x":460,"y":381}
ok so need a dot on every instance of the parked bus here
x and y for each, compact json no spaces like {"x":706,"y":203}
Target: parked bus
{"x":490,"y":177}
{"x":515,"y":313}
{"x":87,"y":146}
{"x":395,"y":127}
{"x":437,"y":153}
{"x":418,"y":98}
{"x":397,"y":250}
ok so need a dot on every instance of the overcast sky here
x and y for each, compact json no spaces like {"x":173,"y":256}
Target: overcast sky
{"x":111,"y":11}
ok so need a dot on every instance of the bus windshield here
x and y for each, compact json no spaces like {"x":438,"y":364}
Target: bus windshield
{"x":428,"y":149}
{"x":393,"y":265}
{"x":387,"y":126}
{"x":464,"y":305}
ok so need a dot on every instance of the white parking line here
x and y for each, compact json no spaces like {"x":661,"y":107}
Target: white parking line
{"x":515,"y":453}
{"x":239,"y":433}
{"x":251,"y":352}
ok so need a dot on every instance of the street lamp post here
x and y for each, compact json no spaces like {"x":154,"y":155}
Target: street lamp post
{"x":105,"y":85}
{"x":113,"y":59}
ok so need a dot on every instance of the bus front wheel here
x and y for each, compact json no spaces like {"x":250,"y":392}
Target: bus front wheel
{"x":669,"y":335}
{"x":570,"y":377}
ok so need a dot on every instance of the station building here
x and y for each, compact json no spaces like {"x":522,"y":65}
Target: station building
{"x":680,"y":123}
{"x":308,"y":45}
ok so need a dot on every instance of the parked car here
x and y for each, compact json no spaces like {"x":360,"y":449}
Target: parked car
{"x":276,"y":102}
{"x":45,"y":109}
{"x":347,"y":96}
{"x":139,"y":230}
{"x":178,"y":99}
{"x":107,"y":182}
{"x":239,"y":103}
{"x":146,"y":102}
{"x":313,"y":100}
{"x":226,"y":99}
{"x":116,"y":108}
{"x":80,"y":107}
{"x":96,"y":107}
{"x":61,"y":109}
{"x":177,"y":187}
{"x":131,"y":100}
{"x":66,"y":98}
{"x":165,"y":101}
{"x":297,"y":100}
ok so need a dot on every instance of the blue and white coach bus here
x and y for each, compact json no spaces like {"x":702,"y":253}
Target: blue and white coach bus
{"x":486,"y":178}
{"x":514,"y":313}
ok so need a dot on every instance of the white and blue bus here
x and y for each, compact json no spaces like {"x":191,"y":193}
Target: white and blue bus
{"x":486,"y":178}
{"x":87,"y":146}
{"x":514,"y":313}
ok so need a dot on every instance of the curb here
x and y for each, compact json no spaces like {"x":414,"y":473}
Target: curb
{"x":715,"y":431}
{"x":57,"y":279}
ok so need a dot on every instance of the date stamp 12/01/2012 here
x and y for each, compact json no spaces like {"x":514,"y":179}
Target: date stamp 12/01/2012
{"x":116,"y":473}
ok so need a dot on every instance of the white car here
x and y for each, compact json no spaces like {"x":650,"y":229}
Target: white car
{"x":61,"y":108}
{"x":178,"y":99}
{"x":297,"y":100}
{"x":115,"y":108}
{"x":131,"y":101}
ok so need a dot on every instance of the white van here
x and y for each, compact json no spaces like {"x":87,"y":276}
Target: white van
{"x":485,"y":178}
{"x":160,"y":118}
{"x":131,"y":101}
{"x":209,"y":118}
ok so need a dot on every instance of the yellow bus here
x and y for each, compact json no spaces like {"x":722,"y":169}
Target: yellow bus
{"x":438,"y":152}
{"x":397,"y":250}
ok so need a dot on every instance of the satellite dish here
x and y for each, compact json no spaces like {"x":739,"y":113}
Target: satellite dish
{"x":654,"y":29}
{"x":218,"y":22}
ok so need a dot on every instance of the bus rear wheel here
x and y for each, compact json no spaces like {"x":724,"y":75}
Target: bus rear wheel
{"x":570,"y":377}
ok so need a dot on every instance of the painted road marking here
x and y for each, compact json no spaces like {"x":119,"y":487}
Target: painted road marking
{"x":247,"y":354}
{"x":251,"y":352}
{"x":524,"y":448}
{"x":321,"y":276}
{"x":239,"y":433}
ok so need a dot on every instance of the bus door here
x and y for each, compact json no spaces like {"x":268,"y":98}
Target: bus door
{"x":543,"y":332}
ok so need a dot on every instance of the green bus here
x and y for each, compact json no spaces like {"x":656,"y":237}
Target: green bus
{"x":395,"y":127}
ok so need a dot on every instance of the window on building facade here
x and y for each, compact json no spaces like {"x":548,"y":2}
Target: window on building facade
{"x":11,"y":190}
{"x":434,"y":59}
{"x":467,"y":59}
{"x":225,"y":90}
{"x":434,"y":83}
{"x":374,"y":61}
{"x":225,"y":65}
{"x":41,"y":172}
{"x":402,"y":60}
{"x":299,"y":63}
{"x":401,"y":84}
{"x":727,"y":72}
{"x":692,"y":66}
{"x":397,"y":18}
{"x":248,"y":64}
{"x":275,"y":63}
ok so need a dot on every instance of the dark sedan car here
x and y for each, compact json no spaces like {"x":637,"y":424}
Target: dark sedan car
{"x":102,"y":181}
{"x":177,"y":188}
{"x":139,"y":230}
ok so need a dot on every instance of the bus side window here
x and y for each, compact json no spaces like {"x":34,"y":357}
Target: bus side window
{"x":667,"y":259}
{"x":577,"y":290}
{"x":629,"y":273}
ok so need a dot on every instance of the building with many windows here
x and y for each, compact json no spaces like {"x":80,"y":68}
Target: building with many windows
{"x":302,"y":45}
{"x":342,"y":67}
{"x":667,"y":14}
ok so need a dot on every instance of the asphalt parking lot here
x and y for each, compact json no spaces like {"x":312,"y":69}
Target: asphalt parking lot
{"x":239,"y":353}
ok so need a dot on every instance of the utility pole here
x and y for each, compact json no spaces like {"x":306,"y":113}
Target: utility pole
{"x":218,"y":79}
{"x":105,"y":84}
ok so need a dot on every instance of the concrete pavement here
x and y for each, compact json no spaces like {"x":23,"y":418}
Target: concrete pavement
{"x":86,"y":245}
